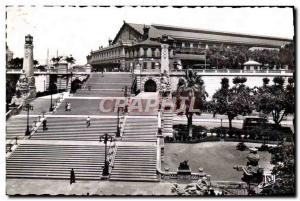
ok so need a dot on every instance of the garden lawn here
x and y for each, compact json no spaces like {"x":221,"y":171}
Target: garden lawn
{"x":216,"y":158}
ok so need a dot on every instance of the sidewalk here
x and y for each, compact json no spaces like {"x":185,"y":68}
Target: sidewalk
{"x":63,"y":187}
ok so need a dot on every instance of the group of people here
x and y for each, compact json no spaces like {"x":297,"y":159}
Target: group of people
{"x":68,"y":106}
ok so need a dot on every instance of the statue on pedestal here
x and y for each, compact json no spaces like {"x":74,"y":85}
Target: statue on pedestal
{"x":165,"y":86}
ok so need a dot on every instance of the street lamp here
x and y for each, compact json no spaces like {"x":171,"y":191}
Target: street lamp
{"x":125,"y":91}
{"x":51,"y":107}
{"x":71,"y":81}
{"x":105,"y":138}
{"x":118,"y":123}
{"x":27,"y":107}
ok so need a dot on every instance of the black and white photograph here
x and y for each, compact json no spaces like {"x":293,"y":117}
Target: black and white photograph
{"x":180,"y":101}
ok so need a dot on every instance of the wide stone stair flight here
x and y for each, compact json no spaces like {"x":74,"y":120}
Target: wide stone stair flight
{"x":44,"y":161}
{"x":134,"y":163}
{"x":106,"y":85}
{"x":140,"y":130}
{"x":68,"y":128}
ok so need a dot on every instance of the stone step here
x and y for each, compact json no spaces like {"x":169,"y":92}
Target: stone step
{"x":83,"y":130}
{"x":119,"y":178}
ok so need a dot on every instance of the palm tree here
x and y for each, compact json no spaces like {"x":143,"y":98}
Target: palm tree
{"x":70,"y":60}
{"x":57,"y":59}
{"x":190,"y":92}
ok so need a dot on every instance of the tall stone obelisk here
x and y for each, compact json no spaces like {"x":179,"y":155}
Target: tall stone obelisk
{"x":28,"y":56}
{"x":165,"y":86}
{"x":164,"y":63}
{"x":26,"y":84}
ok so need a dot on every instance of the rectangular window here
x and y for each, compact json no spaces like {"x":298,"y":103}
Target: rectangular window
{"x":187,"y":44}
{"x":145,"y":65}
{"x":153,"y":65}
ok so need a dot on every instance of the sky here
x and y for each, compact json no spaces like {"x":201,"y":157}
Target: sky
{"x":77,"y":31}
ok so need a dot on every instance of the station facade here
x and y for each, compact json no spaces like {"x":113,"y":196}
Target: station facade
{"x":141,"y":44}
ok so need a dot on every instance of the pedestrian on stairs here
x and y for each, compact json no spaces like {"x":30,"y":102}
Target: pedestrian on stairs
{"x":69,"y":106}
{"x":72,"y":176}
{"x":45,"y":124}
{"x":88,"y":122}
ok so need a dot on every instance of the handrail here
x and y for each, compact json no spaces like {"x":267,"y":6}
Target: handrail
{"x":111,"y":164}
{"x":13,"y":111}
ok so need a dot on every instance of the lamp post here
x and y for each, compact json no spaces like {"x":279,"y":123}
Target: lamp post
{"x":51,"y":107}
{"x":71,"y":81}
{"x":105,"y":138}
{"x":118,"y":123}
{"x":27,"y":108}
{"x":125,"y":91}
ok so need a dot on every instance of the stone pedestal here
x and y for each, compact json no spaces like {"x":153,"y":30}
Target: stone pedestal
{"x":184,"y":176}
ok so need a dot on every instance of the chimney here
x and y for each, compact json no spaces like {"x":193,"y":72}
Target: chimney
{"x":146,"y":32}
{"x":109,"y":42}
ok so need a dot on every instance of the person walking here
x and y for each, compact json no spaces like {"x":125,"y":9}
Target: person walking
{"x":72,"y":176}
{"x":69,"y":106}
{"x":66,"y":106}
{"x":45,"y":125}
{"x":88,"y":122}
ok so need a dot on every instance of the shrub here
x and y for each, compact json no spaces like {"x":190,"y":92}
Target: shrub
{"x":224,"y":130}
{"x":182,"y":130}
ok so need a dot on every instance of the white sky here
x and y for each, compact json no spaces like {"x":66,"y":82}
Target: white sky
{"x":76,"y":31}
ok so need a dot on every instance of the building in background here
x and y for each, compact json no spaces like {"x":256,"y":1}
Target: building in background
{"x":141,"y":44}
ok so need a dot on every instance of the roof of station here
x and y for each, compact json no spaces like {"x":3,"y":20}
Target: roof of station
{"x":156,"y":31}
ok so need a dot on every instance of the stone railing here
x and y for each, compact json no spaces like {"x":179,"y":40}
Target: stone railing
{"x":174,"y":176}
{"x":228,"y":71}
{"x":113,"y":151}
{"x":13,"y":111}
{"x":50,"y":71}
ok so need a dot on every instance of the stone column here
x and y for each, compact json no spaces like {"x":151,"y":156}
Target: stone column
{"x":164,"y":58}
{"x":28,"y":56}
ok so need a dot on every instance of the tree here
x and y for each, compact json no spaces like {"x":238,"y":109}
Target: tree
{"x":286,"y":55}
{"x":70,"y":59}
{"x":35,"y":63}
{"x":16,"y":63}
{"x":57,"y":59}
{"x":275,"y":99}
{"x":190,"y":92}
{"x":233,"y":101}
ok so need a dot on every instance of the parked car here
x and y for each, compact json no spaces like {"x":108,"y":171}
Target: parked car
{"x":251,"y":122}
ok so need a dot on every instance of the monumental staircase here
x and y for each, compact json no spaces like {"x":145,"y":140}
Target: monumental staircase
{"x":44,"y":161}
{"x":74,"y":128}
